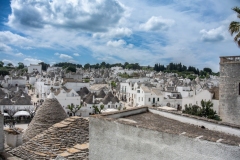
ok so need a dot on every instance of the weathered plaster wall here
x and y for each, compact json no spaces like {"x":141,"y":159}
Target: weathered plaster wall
{"x":111,"y":140}
{"x":1,"y":133}
{"x":229,"y":98}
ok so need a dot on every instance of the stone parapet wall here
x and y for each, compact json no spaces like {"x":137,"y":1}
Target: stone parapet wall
{"x":1,"y":133}
{"x":116,"y":140}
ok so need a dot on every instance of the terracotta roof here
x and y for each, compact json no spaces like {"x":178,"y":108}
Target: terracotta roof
{"x":68,"y":139}
{"x":49,"y":113}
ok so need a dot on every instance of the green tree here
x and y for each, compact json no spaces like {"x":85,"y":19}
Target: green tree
{"x":1,"y":63}
{"x":71,"y":69}
{"x":98,"y":110}
{"x":44,"y":66}
{"x":10,"y":65}
{"x":234,"y":27}
{"x":113,"y":84}
{"x":74,"y":108}
{"x":103,"y":65}
{"x":20,"y":65}
{"x":204,"y":111}
{"x":87,"y":66}
{"x":208,"y":70}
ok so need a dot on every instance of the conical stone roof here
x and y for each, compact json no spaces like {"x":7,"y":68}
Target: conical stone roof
{"x":49,"y":113}
{"x":101,"y":94}
{"x":83,"y":92}
{"x":109,"y":94}
{"x":89,"y":98}
{"x":23,"y":101}
{"x":6,"y":101}
{"x":115,"y":100}
{"x":17,"y":96}
{"x":2,"y":94}
{"x":107,"y":99}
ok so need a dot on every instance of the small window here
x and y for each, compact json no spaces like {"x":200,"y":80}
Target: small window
{"x":149,"y":99}
{"x":142,"y":98}
{"x":108,"y":106}
{"x":158,"y":99}
{"x":239,"y":89}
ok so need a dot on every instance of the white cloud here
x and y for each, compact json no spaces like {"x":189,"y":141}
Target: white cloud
{"x":64,"y":56}
{"x":5,"y":48}
{"x":96,"y":15}
{"x":7,"y":61}
{"x":76,"y":54}
{"x":28,"y":61}
{"x":213,"y":35}
{"x":181,"y":22}
{"x":157,"y":24}
{"x":116,"y":43}
{"x":11,"y":38}
{"x":116,"y":32}
{"x":19,"y":54}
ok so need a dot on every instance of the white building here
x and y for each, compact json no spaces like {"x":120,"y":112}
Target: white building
{"x":43,"y":87}
{"x":17,"y":81}
{"x":54,"y":69}
{"x":185,"y":91}
{"x":148,"y":96}
{"x":35,"y":68}
{"x":76,"y":85}
{"x":198,"y":96}
{"x":67,"y":97}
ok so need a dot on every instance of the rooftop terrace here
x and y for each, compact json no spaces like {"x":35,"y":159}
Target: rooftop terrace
{"x":230,"y":59}
{"x":163,"y":124}
{"x":206,"y":129}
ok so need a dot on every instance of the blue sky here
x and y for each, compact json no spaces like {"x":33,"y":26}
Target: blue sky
{"x":138,"y":31}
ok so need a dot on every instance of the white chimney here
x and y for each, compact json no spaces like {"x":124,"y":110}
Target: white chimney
{"x":93,"y":99}
{"x":51,"y":95}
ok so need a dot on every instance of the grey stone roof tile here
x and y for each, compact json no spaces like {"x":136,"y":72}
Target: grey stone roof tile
{"x":68,"y":139}
{"x":49,"y":113}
